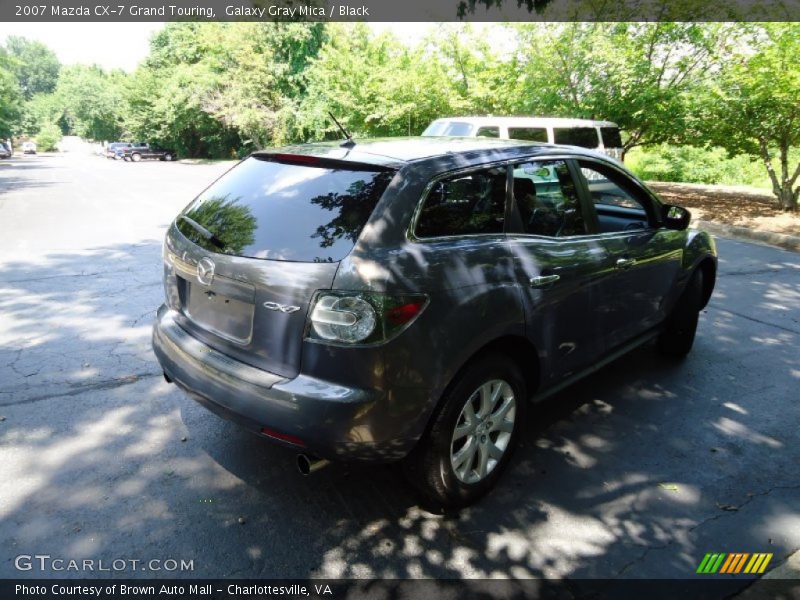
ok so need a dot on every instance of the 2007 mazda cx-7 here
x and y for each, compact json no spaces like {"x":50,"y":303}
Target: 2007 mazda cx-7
{"x":406,"y":298}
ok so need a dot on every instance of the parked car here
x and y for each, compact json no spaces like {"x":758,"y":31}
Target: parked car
{"x":29,"y":148}
{"x":602,"y":136}
{"x":116,"y":150}
{"x":144,"y":151}
{"x":5,"y":151}
{"x":404,"y":299}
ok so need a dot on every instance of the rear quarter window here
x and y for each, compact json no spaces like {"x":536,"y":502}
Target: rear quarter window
{"x":611,"y":137}
{"x":585,"y":137}
{"x":530,"y":134}
{"x":465,"y":204}
{"x":283,"y":211}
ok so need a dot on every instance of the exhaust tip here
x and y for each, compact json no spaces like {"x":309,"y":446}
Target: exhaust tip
{"x":310,"y":464}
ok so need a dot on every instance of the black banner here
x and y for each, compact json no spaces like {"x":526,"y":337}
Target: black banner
{"x":395,"y":11}
{"x":249,"y":589}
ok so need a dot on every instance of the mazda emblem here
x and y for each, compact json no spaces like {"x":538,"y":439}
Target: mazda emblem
{"x":205,"y":271}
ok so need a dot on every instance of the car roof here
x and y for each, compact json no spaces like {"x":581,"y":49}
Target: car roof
{"x":528,"y":121}
{"x":395,"y":152}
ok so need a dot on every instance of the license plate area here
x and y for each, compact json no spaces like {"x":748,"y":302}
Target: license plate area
{"x":217,"y":310}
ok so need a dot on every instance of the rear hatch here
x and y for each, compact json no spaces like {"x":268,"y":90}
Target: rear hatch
{"x":244,"y":259}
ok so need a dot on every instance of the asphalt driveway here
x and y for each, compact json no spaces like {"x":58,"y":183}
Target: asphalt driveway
{"x":636,"y":472}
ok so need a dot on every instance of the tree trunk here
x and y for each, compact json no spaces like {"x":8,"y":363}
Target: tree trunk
{"x":787,"y":197}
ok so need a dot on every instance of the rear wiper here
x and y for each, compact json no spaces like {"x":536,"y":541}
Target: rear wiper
{"x":203,"y":231}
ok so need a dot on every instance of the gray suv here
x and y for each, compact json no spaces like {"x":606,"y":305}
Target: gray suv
{"x":406,"y":298}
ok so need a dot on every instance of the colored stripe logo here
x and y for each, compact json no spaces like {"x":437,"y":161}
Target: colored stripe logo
{"x":734,"y":563}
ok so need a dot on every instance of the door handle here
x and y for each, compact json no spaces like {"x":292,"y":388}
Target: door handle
{"x":625,"y":263}
{"x":543,"y":280}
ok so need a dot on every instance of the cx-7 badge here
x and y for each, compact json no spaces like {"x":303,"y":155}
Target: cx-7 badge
{"x":284,"y":308}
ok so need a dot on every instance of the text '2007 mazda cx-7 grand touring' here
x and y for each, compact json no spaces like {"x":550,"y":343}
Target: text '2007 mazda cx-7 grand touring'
{"x":405,"y":299}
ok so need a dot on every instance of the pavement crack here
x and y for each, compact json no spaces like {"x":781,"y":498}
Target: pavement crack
{"x":107,"y":384}
{"x":33,"y":279}
{"x":720,"y":515}
{"x":749,"y":318}
{"x":753,"y":272}
{"x":142,"y":316}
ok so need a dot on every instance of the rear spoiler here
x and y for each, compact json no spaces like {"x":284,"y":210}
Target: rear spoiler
{"x":321,"y":161}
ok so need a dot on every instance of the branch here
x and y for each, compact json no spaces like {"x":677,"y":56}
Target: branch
{"x":762,"y":144}
{"x":795,"y":175}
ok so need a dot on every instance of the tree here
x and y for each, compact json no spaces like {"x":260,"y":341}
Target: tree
{"x":220,"y":89}
{"x":41,"y":110}
{"x":92,"y":101}
{"x":10,"y":98}
{"x":48,"y":137}
{"x":374,"y":85}
{"x":754,"y":106}
{"x":639,"y":75}
{"x":35,"y":66}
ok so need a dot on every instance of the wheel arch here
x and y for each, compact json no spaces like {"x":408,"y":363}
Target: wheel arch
{"x":516,"y":347}
{"x":708,"y":267}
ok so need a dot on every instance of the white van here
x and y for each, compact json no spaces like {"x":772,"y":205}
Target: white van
{"x":602,"y":136}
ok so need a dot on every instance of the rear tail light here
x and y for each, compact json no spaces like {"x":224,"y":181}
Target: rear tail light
{"x":362,"y":317}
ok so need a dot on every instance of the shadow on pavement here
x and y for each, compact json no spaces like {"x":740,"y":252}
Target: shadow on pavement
{"x":638,"y":460}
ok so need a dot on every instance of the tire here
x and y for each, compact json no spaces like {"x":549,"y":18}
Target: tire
{"x":442,"y":468}
{"x":168,"y":157}
{"x":679,"y":330}
{"x":136,"y":157}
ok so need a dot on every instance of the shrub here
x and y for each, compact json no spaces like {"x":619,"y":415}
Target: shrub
{"x":691,"y":164}
{"x":48,"y":137}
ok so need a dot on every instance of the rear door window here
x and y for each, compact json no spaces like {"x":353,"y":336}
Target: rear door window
{"x":530,"y":134}
{"x":585,"y":137}
{"x":547,"y":199}
{"x":266,"y":208}
{"x":465,"y":204}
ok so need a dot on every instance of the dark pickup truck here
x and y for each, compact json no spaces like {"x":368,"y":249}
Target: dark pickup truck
{"x":145,"y":151}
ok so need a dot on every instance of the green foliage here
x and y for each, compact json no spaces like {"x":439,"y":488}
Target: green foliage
{"x":92,"y":101}
{"x":639,"y":75}
{"x":754,"y":105}
{"x":378,"y":87}
{"x":10,"y":99}
{"x":35,"y":66}
{"x":48,"y":136}
{"x":214,"y":89}
{"x":41,"y":110}
{"x":225,"y":89}
{"x":692,"y":164}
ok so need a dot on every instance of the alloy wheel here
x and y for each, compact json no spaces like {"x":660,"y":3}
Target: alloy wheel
{"x":483,"y":431}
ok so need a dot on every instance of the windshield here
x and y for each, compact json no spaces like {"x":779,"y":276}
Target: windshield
{"x":452,"y":128}
{"x":311,"y":212}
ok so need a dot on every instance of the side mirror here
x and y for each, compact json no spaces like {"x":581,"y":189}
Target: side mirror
{"x":676,"y":217}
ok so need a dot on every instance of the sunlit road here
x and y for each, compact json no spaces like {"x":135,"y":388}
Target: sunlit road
{"x":636,"y":472}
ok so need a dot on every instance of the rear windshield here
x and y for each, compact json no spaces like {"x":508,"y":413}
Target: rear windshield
{"x":586,"y":137}
{"x":611,"y":137}
{"x":286,"y":211}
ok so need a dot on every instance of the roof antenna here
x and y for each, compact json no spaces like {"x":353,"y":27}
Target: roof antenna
{"x":349,"y":142}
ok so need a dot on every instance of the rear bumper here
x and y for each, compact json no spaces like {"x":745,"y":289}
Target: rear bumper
{"x":333,"y":421}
